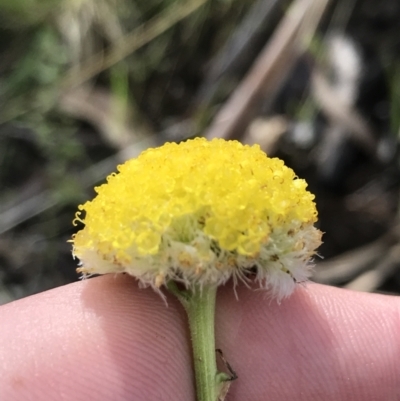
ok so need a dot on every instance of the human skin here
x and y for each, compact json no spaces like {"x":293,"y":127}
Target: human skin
{"x":105,"y":339}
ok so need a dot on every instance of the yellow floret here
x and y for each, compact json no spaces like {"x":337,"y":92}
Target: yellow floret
{"x":182,"y":210}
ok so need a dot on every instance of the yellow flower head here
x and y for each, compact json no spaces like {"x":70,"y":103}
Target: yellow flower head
{"x":200,"y":212}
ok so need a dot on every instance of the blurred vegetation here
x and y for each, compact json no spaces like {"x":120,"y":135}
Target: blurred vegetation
{"x":86,"y":83}
{"x":46,"y":46}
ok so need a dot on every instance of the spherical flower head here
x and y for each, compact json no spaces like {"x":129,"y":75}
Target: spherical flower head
{"x":201,"y":212}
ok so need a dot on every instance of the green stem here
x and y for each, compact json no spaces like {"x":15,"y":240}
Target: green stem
{"x":199,"y":304}
{"x":201,"y":315}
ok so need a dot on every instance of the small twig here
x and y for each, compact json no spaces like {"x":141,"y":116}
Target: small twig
{"x":233,"y":375}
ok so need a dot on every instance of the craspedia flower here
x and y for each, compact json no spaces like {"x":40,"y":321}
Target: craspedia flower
{"x":201,"y":212}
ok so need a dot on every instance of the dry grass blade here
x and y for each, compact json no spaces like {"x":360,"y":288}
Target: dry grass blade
{"x":106,"y":113}
{"x":270,"y":69}
{"x":371,"y":280}
{"x":37,"y":204}
{"x":232,"y":57}
{"x":350,"y":265}
{"x":130,"y":43}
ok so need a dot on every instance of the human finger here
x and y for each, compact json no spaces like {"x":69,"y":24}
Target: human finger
{"x":322,"y":343}
{"x":100,"y":339}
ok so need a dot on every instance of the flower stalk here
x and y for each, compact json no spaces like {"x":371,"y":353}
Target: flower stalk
{"x":199,"y":304}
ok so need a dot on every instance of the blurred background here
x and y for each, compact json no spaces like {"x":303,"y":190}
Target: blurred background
{"x":87,"y":84}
